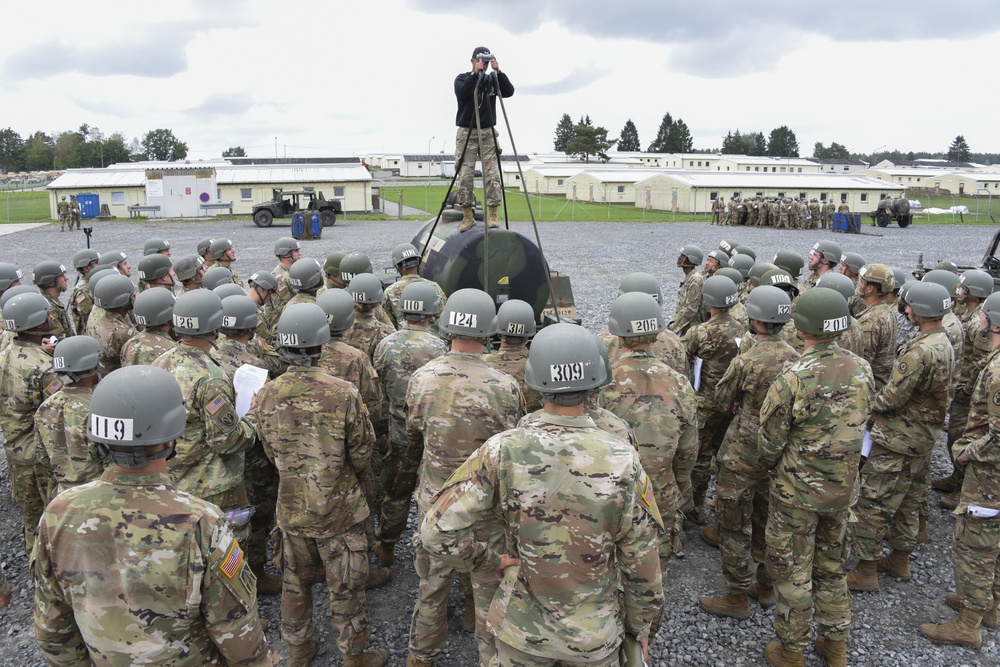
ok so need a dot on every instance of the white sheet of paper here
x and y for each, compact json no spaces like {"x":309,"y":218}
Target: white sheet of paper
{"x":983,"y":512}
{"x":247,"y":381}
{"x":697,"y":373}
{"x":866,"y":443}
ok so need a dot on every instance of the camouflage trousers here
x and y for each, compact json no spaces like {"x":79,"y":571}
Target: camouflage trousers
{"x":712,"y":425}
{"x":233,"y":499}
{"x":888,"y":502}
{"x":29,"y":487}
{"x":958,"y":416}
{"x":975,"y":554}
{"x":671,"y":542}
{"x":741,"y":508}
{"x":262,"y":492}
{"x":806,"y":553}
{"x":344,"y":561}
{"x":399,"y":479}
{"x":469,"y":139}
{"x":508,"y":656}
{"x":429,"y":625}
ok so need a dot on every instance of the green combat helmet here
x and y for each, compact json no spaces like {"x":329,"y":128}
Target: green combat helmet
{"x":154,"y":266}
{"x":10,"y":276}
{"x":188,"y":266}
{"x":113,"y":292}
{"x":565,"y":359}
{"x":515,"y":319}
{"x":899,"y":276}
{"x":229,"y":289}
{"x":732,"y":274}
{"x":339,"y":308}
{"x":743,"y":264}
{"x":978,"y":283}
{"x":693,"y":254}
{"x":784,"y":280}
{"x":758,"y":271}
{"x":822,"y":312}
{"x":636,"y":314}
{"x":365,"y":288}
{"x":945,"y":279}
{"x":47,"y":273}
{"x":928,"y":299}
{"x":285,"y":246}
{"x":829,"y":251}
{"x":790,"y":262}
{"x":153,"y":307}
{"x":76,"y":357}
{"x":15,"y":290}
{"x":219,"y":247}
{"x":25,"y":312}
{"x":305,"y":274}
{"x":879,"y":274}
{"x":853,"y":261}
{"x":239,"y":313}
{"x":354,"y":264}
{"x":82,"y":259}
{"x":744,"y":250}
{"x":948,"y":266}
{"x":197,"y":313}
{"x":215,"y":276}
{"x":154,"y":246}
{"x":113,"y":258}
{"x":97,"y":274}
{"x":134,"y":408}
{"x":420,"y":298}
{"x":405,"y":254}
{"x":991,"y":308}
{"x":263,"y":280}
{"x":469,"y":312}
{"x":720,"y":257}
{"x":331,"y":266}
{"x":769,"y":304}
{"x":728,"y":246}
{"x":719,"y":292}
{"x":204,"y":246}
{"x":302,"y":327}
{"x":640,"y":281}
{"x":838,"y":282}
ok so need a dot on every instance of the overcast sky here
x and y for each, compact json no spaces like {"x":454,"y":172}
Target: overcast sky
{"x":325,"y":78}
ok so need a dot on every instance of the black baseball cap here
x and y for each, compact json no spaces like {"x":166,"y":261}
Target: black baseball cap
{"x":478,"y":50}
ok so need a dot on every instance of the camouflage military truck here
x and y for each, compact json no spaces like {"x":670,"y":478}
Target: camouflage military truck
{"x":892,"y":210}
{"x":990,"y":263}
{"x":283,"y":204}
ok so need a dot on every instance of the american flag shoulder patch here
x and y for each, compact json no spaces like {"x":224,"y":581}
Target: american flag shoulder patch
{"x":233,"y":560}
{"x":80,"y":298}
{"x":215,"y":405}
{"x":53,"y":387}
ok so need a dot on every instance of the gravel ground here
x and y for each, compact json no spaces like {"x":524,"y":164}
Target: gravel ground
{"x":595,"y":255}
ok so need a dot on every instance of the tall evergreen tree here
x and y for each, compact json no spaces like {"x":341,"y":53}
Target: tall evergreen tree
{"x":564,"y":132}
{"x":959,"y":150}
{"x":589,"y":140}
{"x":679,"y":140}
{"x":659,"y":144}
{"x":628,"y":139}
{"x":782,"y":143}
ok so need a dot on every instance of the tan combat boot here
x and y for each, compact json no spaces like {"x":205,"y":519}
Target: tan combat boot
{"x":778,"y":656}
{"x":301,"y":655}
{"x":711,"y":536}
{"x":991,"y":619}
{"x":950,"y":501}
{"x":492,"y":221}
{"x":762,"y":590}
{"x":922,"y":535}
{"x":376,"y":658}
{"x":414,"y":662}
{"x":469,"y":615}
{"x":267,"y":583}
{"x":945,"y":484}
{"x":732,"y":604}
{"x":864,"y":577}
{"x":896,"y":564}
{"x":468,"y":221}
{"x":386,"y":553}
{"x":377,"y":577}
{"x":964,"y":630}
{"x":833,"y":650}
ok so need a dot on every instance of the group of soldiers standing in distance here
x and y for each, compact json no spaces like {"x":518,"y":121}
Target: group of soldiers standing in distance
{"x":69,"y":213}
{"x":557,"y":483}
{"x":777,"y":212}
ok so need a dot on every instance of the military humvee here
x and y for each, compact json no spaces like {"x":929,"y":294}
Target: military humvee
{"x":283,"y":204}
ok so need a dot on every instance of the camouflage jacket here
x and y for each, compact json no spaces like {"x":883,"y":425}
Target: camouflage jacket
{"x":453,"y":405}
{"x":659,"y":404}
{"x":743,"y":389}
{"x":910,"y":409}
{"x":315,"y":429}
{"x":346,"y":363}
{"x":392,"y":294}
{"x":687,"y":312}
{"x":955,"y":331}
{"x":667,"y":347}
{"x":131,"y":570}
{"x":878,"y":331}
{"x":270,"y":359}
{"x":811,"y":429}
{"x":284,"y":293}
{"x":809,"y":281}
{"x":603,"y":419}
{"x":367,"y":332}
{"x":145,"y":347}
{"x":61,"y":438}
{"x":62,"y":325}
{"x":111,"y":330}
{"x":209,"y":457}
{"x":568,"y":494}
{"x":905,"y":330}
{"x":715,"y":343}
{"x":981,"y":441}
{"x":26,"y":380}
{"x":512,"y":360}
{"x":976,"y":349}
{"x":398,"y":356}
{"x":230,"y":354}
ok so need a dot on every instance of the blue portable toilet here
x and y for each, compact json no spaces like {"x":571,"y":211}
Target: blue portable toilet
{"x":90,"y":205}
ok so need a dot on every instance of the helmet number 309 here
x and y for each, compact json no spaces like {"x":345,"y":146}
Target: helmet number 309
{"x":566,"y":372}
{"x":111,"y":429}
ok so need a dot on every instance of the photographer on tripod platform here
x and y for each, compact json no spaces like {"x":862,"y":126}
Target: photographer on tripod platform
{"x":476,"y":135}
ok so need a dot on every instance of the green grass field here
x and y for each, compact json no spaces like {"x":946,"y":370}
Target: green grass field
{"x":24,"y":206}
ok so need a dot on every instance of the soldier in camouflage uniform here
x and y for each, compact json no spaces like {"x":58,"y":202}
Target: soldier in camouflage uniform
{"x":828,"y":210}
{"x":743,"y":488}
{"x":130,"y":569}
{"x":288,"y":251}
{"x":315,"y":429}
{"x":454,"y":404}
{"x":62,"y":209}
{"x":815,"y":214}
{"x":354,"y":264}
{"x":156,"y":270}
{"x":189,"y":271}
{"x":975,"y":551}
{"x":153,"y":311}
{"x":877,"y":321}
{"x":406,"y":259}
{"x":50,"y":279}
{"x":687,"y":312}
{"x":580,"y":515}
{"x":717,"y":207}
{"x":224,"y":254}
{"x":667,"y":347}
{"x":516,"y":325}
{"x":908,"y":413}
{"x":905,"y":329}
{"x":25,"y":381}
{"x":81,"y":301}
{"x":368,"y":330}
{"x":851,"y":340}
{"x":714,"y":342}
{"x":204,"y":249}
{"x":216,"y":277}
{"x":331,"y":271}
{"x":850,"y":265}
{"x":110,"y":323}
{"x":236,"y":344}
{"x":824,"y":257}
{"x":738,"y":311}
{"x":305,"y":277}
{"x":810,"y":437}
{"x":61,"y":420}
{"x":262,"y":288}
{"x":10,"y":285}
{"x":117,"y":260}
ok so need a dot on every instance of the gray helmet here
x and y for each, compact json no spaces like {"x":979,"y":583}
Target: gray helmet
{"x":9,"y":274}
{"x":153,"y":307}
{"x":769,"y":304}
{"x":744,"y":250}
{"x":732,"y":274}
{"x":640,"y":281}
{"x":945,"y":279}
{"x":565,"y":358}
{"x":112,"y":257}
{"x":331,"y":266}
{"x":365,"y":288}
{"x":837,"y":282}
{"x":978,"y":283}
{"x":719,"y":256}
{"x":947,"y":265}
{"x":693,"y":254}
{"x":76,"y":357}
{"x":719,"y":292}
{"x":339,"y":308}
{"x":154,"y":246}
{"x":302,"y":325}
{"x":353,"y":264}
{"x":188,"y":266}
{"x":15,"y":290}
{"x":742,"y":263}
{"x":420,"y":298}
{"x":154,"y":266}
{"x":113,"y":292}
{"x":854,"y":262}
{"x":215,"y":276}
{"x":305,"y":274}
{"x":197,"y":313}
{"x":229,"y":289}
{"x":25,"y":312}
{"x":635,"y":314}
{"x":469,"y":312}
{"x":829,"y":251}
{"x":822,"y":312}
{"x":83,"y":258}
{"x":790,"y":262}
{"x":47,"y":273}
{"x":204,"y":246}
{"x":991,"y":307}
{"x":782,"y":280}
{"x":98,"y":274}
{"x":515,"y":319}
{"x":239,"y":313}
{"x":219,"y":247}
{"x":929,"y":299}
{"x":263,"y":280}
{"x":727,"y":246}
{"x":899,"y":276}
{"x":136,"y":407}
{"x":758,"y":271}
{"x":285,"y":245}
{"x":405,"y":252}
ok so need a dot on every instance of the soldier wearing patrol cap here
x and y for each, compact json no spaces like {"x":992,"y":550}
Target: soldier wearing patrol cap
{"x":153,"y":313}
{"x":50,"y":278}
{"x":81,"y":301}
{"x":687,"y":312}
{"x":582,"y":516}
{"x":454,"y":404}
{"x":813,"y":458}
{"x":406,"y":259}
{"x":158,"y":566}
{"x":825,"y":256}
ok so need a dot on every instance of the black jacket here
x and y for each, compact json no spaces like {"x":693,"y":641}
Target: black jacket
{"x":465,"y":86}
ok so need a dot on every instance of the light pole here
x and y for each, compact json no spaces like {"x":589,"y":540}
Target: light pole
{"x":430,"y":164}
